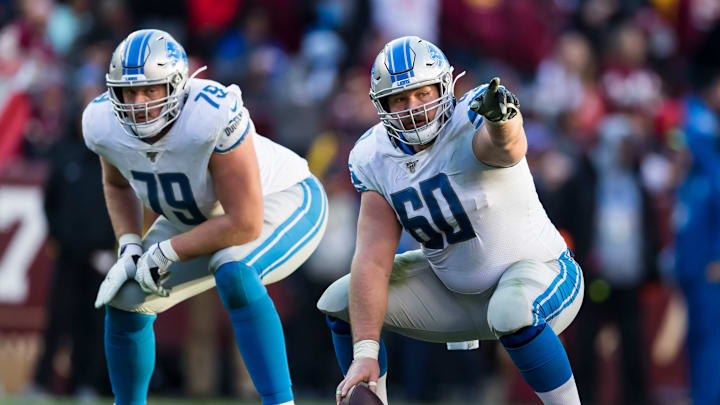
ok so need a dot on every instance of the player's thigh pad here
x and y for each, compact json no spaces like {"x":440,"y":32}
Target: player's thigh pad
{"x":294,"y":223}
{"x":531,"y":293}
{"x":419,"y":305}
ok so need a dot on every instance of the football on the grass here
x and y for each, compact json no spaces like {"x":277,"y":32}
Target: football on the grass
{"x":361,"y":395}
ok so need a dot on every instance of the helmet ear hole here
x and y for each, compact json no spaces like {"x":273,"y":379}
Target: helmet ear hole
{"x":384,"y":104}
{"x":118,"y":94}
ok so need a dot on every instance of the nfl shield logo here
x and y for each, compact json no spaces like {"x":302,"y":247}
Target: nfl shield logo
{"x":411,"y":165}
{"x":151,"y":156}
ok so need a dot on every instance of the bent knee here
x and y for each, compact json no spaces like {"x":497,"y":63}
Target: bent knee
{"x":238,"y":285}
{"x":334,"y":301}
{"x":509,"y":310}
{"x":222,"y":257}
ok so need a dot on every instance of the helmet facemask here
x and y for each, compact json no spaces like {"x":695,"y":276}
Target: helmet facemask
{"x":411,"y":133}
{"x":127,"y":113}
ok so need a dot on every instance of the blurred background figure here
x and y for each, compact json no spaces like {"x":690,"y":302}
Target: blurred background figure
{"x":697,"y":218}
{"x":565,"y":77}
{"x":622,"y":258}
{"x":83,"y":241}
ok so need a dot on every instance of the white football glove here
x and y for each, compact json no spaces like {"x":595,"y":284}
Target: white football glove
{"x":152,"y":268}
{"x":129,"y":252}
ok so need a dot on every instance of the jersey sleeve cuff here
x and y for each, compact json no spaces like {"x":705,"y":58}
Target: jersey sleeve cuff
{"x":238,"y":141}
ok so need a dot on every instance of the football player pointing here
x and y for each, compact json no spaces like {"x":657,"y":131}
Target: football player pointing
{"x":492,"y":265}
{"x":236,"y":211}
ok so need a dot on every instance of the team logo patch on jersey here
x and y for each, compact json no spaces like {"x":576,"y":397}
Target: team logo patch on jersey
{"x":411,"y":165}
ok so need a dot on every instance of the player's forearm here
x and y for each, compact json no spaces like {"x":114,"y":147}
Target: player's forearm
{"x":215,"y":234}
{"x":124,"y":209}
{"x":501,"y":145}
{"x":368,"y":300}
{"x":505,"y":136}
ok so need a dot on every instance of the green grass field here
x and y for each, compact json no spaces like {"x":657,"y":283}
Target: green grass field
{"x":151,"y":401}
{"x":176,"y":401}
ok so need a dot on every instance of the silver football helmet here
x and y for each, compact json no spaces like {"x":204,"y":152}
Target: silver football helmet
{"x":408,"y":63}
{"x":148,"y":57}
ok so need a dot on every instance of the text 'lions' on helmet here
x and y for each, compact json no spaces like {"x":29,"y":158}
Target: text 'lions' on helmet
{"x":408,"y":63}
{"x":148,"y":57}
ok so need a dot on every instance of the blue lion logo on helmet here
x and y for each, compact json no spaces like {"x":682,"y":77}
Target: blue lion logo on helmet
{"x":436,"y":54}
{"x":175,"y":53}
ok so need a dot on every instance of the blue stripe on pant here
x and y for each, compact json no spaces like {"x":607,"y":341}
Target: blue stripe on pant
{"x":561,"y":293}
{"x":542,"y":360}
{"x":293,"y":234}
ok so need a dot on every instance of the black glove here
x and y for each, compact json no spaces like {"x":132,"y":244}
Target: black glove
{"x":496,"y":103}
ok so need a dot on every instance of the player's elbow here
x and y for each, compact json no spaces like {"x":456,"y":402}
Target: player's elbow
{"x":246,"y":228}
{"x":254,"y":228}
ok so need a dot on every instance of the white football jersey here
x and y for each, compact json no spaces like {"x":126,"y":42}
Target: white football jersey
{"x":171,"y":176}
{"x":473,"y":220}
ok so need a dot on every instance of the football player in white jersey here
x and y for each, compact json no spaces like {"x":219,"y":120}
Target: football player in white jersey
{"x":236,"y":211}
{"x":453,"y":174}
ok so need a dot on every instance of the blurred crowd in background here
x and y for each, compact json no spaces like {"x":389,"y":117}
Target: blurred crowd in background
{"x":621,"y":102}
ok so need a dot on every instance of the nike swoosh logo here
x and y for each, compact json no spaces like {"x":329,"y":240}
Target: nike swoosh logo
{"x":234,"y":107}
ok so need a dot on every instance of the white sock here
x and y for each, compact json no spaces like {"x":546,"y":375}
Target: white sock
{"x":566,"y":394}
{"x":382,"y":389}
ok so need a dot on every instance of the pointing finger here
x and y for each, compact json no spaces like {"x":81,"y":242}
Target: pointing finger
{"x":494,"y":84}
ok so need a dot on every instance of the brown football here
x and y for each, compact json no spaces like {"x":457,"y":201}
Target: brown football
{"x":361,"y":395}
